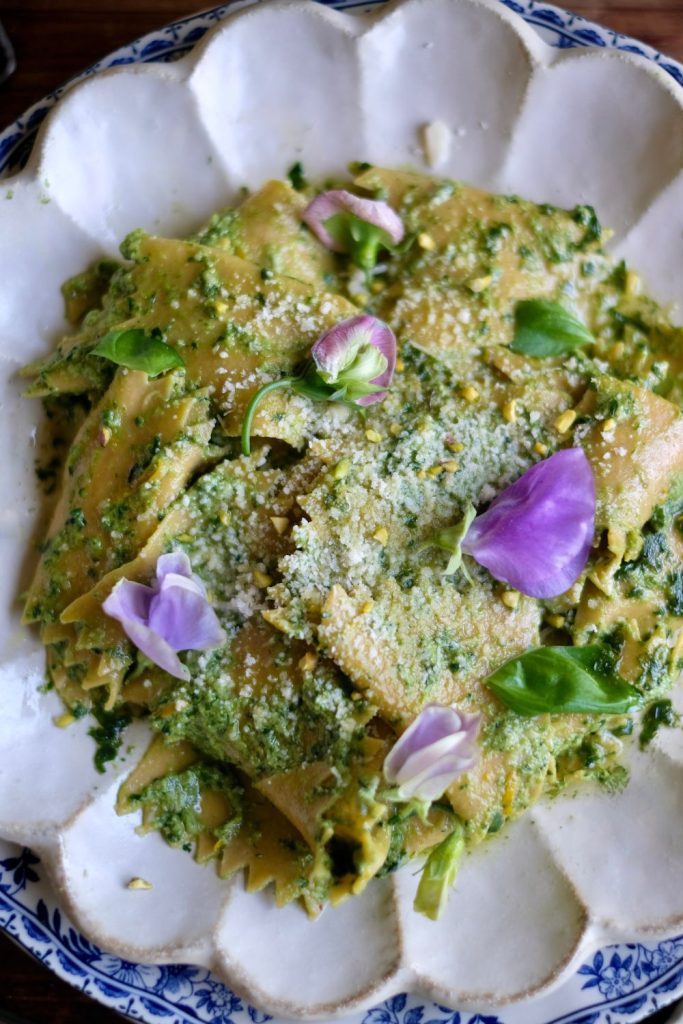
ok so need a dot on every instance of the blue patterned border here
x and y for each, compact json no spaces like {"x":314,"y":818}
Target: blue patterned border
{"x":619,"y":985}
{"x":632,"y":980}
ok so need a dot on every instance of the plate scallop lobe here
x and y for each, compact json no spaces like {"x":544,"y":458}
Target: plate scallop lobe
{"x":173,"y":919}
{"x":640,"y":890}
{"x":463,"y":64}
{"x":126,"y":150}
{"x":512,"y":923}
{"x":59,"y":762}
{"x":350,"y":955}
{"x":312,"y":115}
{"x":577,"y":140}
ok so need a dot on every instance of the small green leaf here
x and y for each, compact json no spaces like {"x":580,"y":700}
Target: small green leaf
{"x":439,"y":874}
{"x":138,"y":350}
{"x":544,"y":328}
{"x":553,"y":680}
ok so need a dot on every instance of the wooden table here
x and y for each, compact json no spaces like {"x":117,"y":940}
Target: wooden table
{"x":54,"y":39}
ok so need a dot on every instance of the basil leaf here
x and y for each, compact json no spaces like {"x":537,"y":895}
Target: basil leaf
{"x":553,"y":680}
{"x":544,"y":328}
{"x":138,"y":350}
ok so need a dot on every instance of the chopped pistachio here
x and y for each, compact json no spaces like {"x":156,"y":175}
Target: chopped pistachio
{"x":308,"y":662}
{"x":470,"y":393}
{"x":139,"y":883}
{"x":426,"y":241}
{"x":565,"y":421}
{"x":62,"y":721}
{"x":509,"y":411}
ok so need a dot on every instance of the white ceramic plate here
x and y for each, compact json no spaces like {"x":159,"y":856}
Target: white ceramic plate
{"x":161,"y":146}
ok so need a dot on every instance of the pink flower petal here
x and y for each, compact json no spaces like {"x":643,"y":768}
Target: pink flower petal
{"x":537,"y":534}
{"x":332,"y":351}
{"x":373,"y":211}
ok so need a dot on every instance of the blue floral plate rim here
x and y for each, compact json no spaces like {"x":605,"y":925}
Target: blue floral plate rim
{"x":618,"y":984}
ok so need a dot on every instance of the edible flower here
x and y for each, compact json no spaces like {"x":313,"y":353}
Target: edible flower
{"x":434,"y":750}
{"x":537,"y":534}
{"x":353,"y":362}
{"x":347,"y":223}
{"x":172,"y":615}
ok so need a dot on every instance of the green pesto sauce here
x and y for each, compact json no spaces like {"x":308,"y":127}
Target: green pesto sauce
{"x":659,"y":713}
{"x":172,"y":804}
{"x":108,"y":734}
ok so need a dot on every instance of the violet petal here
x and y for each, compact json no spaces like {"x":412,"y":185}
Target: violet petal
{"x":183,"y":618}
{"x":173,"y":615}
{"x":156,"y":649}
{"x":537,"y":534}
{"x":174,"y":562}
{"x":432,"y":752}
{"x":129,"y":603}
{"x":372,"y":211}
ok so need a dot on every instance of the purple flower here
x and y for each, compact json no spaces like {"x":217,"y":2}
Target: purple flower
{"x":537,"y":534}
{"x":434,"y":750}
{"x":357,"y":357}
{"x":372,"y":211}
{"x":172,"y":615}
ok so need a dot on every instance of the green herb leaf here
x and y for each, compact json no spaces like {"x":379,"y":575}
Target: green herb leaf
{"x":439,"y":874}
{"x":544,"y":328}
{"x":138,"y":350}
{"x":554,"y":680}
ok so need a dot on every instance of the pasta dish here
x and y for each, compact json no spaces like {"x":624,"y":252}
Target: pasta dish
{"x":370,"y":500}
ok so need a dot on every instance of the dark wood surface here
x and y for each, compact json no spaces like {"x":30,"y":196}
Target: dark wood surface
{"x":54,"y":40}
